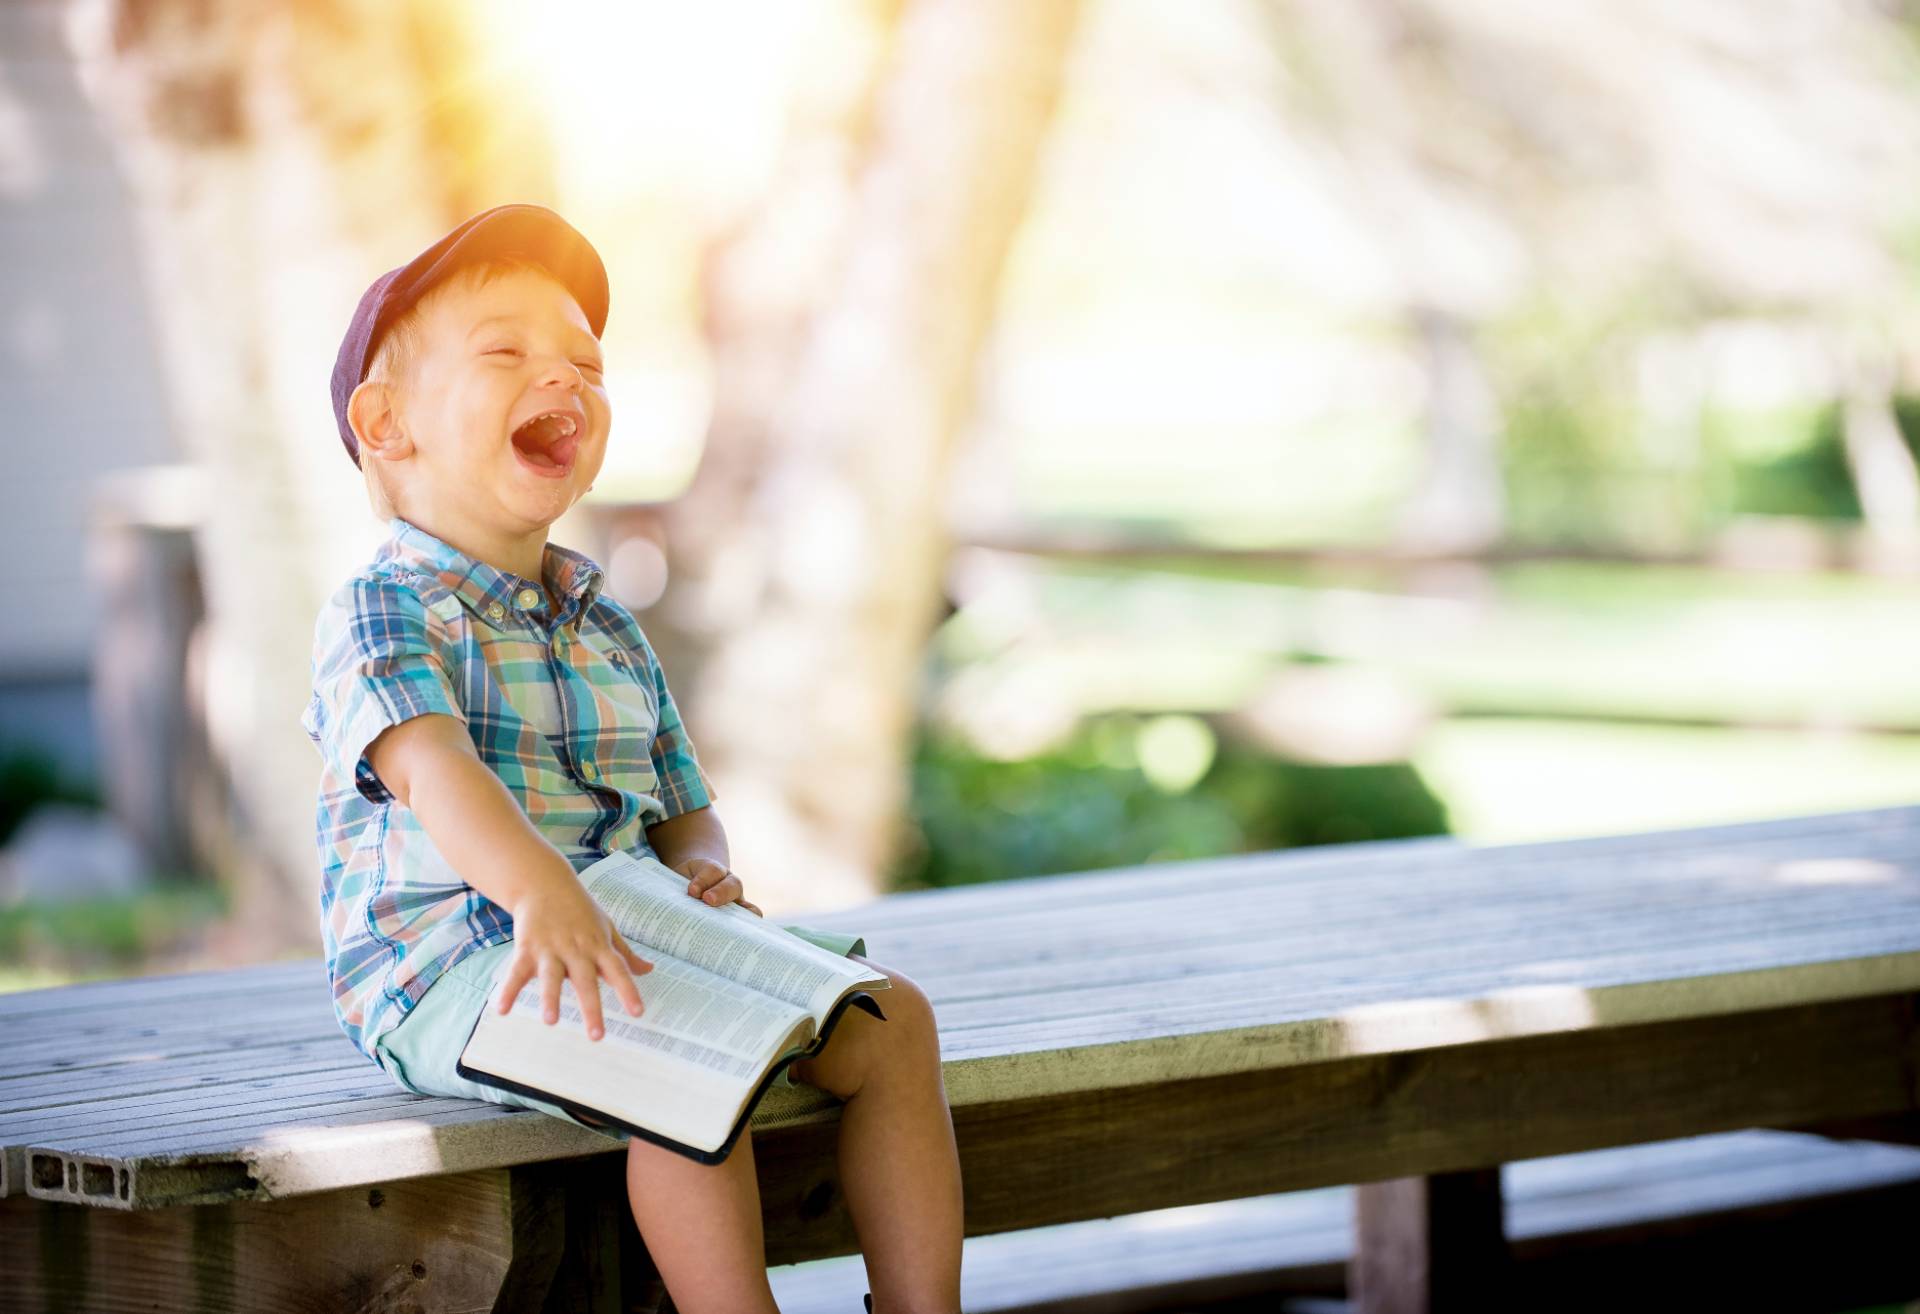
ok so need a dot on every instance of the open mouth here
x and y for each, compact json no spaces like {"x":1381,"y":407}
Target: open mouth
{"x":547,"y":443}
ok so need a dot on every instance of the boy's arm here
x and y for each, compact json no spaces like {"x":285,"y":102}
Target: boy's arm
{"x":694,"y":834}
{"x":429,"y":765}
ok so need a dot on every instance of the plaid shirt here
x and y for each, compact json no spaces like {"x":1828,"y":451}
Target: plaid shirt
{"x":570,"y":710}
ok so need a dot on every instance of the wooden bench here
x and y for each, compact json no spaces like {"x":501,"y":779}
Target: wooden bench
{"x":1407,"y":1015}
{"x":1736,"y":1220}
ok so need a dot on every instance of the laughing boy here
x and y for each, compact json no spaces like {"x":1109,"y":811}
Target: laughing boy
{"x":491,"y":723}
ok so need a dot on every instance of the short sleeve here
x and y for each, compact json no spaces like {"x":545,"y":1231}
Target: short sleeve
{"x":683,"y":785}
{"x":374,"y":666}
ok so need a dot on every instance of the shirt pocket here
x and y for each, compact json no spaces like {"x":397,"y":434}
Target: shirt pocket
{"x":627,"y":716}
{"x":538,"y":704}
{"x":513,"y":704}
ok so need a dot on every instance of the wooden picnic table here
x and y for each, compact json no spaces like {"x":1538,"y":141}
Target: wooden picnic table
{"x":1404,"y":1014}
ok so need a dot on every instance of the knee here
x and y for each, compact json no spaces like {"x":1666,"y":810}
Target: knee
{"x":904,"y":996}
{"x":863,"y":1045}
{"x":908,"y":1009}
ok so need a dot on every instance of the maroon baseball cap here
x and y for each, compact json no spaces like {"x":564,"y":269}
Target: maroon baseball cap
{"x":531,"y":231}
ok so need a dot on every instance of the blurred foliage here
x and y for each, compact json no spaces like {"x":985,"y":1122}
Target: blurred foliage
{"x":29,"y":778}
{"x":1584,"y":464}
{"x":119,"y":932}
{"x":1811,"y":478}
{"x":1083,"y":807}
{"x":45,"y":943}
{"x":1574,"y":476}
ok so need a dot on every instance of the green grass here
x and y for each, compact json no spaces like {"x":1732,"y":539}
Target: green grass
{"x":1513,"y":781}
{"x":1568,"y":639}
{"x":1551,"y":683}
{"x":13,"y":979}
{"x":48,"y":943}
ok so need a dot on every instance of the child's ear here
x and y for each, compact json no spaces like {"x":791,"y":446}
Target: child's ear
{"x":371,"y":414}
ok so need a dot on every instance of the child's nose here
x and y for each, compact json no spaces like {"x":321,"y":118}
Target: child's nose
{"x":563,"y":373}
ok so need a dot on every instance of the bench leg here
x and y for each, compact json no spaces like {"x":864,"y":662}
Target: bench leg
{"x":547,"y":1237}
{"x":1428,"y":1245}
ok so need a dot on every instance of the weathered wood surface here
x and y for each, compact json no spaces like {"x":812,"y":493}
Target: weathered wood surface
{"x":1058,"y":1158}
{"x":473,"y":1241}
{"x":1587,"y":1224}
{"x":1126,"y":991}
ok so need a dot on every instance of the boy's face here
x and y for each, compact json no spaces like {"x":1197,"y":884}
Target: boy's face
{"x":490,"y":359}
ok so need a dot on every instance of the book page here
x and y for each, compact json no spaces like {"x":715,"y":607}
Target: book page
{"x":649,"y":903}
{"x":690,"y":1014}
{"x":690,"y":1096}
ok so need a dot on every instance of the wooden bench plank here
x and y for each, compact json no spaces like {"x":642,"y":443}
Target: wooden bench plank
{"x":1530,"y":898}
{"x":1060,"y":994}
{"x":1182,"y":929}
{"x":1547,"y":945}
{"x":137,"y":1076}
{"x":98,"y":1040}
{"x":1403,"y":862}
{"x":1032,"y":1162}
{"x":1242,"y":984}
{"x":1261,"y":1247}
{"x":215,"y":984}
{"x":236,"y":1101}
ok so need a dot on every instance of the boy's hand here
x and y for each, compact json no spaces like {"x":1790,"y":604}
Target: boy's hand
{"x":713,"y":884}
{"x":560,"y":932}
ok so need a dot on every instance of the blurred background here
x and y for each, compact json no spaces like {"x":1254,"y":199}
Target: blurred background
{"x":1048,"y":435}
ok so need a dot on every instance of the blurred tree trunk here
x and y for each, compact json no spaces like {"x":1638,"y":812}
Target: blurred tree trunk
{"x":807,"y":557}
{"x":280,"y":157}
{"x":1459,"y":503}
{"x":1878,"y":458}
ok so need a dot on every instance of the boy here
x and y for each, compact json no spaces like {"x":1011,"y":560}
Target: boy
{"x":491,"y":723}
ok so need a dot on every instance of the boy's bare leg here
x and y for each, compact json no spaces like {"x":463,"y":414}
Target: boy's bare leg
{"x":702,"y":1227}
{"x":899,"y":1164}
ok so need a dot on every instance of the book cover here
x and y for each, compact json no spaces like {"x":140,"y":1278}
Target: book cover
{"x":731,"y":1001}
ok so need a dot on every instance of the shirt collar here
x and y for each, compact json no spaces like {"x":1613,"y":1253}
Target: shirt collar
{"x":572,"y":577}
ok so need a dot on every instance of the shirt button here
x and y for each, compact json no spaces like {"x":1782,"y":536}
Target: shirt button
{"x":617,"y":657}
{"x":527,"y":600}
{"x":590,"y":771}
{"x":495,"y":611}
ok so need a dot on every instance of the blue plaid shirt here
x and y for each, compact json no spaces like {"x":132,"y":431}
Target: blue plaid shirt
{"x":571,"y":710}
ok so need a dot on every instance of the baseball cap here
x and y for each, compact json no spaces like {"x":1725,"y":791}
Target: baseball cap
{"x":530,"y":231}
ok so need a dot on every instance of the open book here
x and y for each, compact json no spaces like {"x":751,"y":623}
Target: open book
{"x":731,"y":1000}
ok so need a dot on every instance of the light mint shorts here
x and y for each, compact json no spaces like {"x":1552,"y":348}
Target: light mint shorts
{"x":420,"y":1052}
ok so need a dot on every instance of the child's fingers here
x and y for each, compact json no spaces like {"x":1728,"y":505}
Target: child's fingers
{"x":519,"y":972}
{"x":710,"y":875}
{"x":585,"y":976}
{"x":619,"y":974}
{"x":552,"y":973}
{"x":727,"y":887}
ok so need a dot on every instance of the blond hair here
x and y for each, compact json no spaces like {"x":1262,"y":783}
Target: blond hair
{"x":400,"y":343}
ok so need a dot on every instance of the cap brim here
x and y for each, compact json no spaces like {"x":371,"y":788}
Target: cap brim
{"x":532,"y":231}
